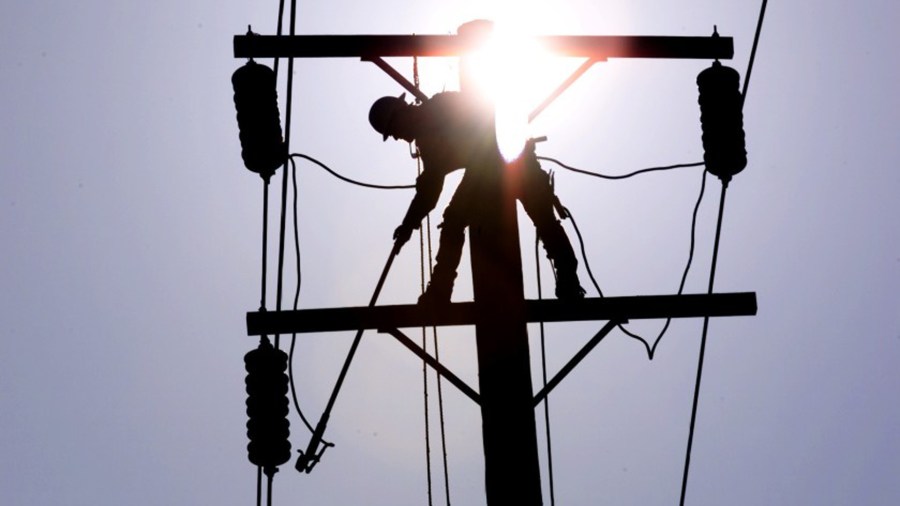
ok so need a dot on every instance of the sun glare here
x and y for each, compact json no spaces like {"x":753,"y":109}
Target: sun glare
{"x":515,"y":73}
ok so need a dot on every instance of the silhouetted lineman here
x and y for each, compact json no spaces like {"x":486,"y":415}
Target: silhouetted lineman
{"x":454,"y":131}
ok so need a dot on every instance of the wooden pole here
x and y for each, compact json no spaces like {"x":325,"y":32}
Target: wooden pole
{"x":512,"y":469}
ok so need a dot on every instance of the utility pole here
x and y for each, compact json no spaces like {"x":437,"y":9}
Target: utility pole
{"x":499,"y":311}
{"x":511,"y":466}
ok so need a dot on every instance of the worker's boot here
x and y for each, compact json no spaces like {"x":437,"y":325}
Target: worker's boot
{"x":439,"y":289}
{"x":559,"y":250}
{"x":567,"y":285}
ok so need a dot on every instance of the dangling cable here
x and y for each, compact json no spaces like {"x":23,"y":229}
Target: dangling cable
{"x":651,"y":348}
{"x":422,"y":281}
{"x":620,"y":176}
{"x":537,"y":263}
{"x":296,"y":302}
{"x":353,"y":181}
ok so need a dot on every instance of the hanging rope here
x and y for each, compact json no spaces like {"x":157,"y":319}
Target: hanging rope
{"x":537,"y":264}
{"x":423,"y":278}
{"x":425,"y":240}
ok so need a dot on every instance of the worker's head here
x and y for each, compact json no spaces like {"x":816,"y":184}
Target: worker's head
{"x":390,"y":116}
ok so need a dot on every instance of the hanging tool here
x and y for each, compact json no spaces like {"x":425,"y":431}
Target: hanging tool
{"x":308,"y":459}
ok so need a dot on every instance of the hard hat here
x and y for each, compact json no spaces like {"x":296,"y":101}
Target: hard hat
{"x":381,"y":115}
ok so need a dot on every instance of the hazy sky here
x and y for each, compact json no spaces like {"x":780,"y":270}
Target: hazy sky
{"x":130,"y":244}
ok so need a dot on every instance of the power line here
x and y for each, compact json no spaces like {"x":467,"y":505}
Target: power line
{"x":622,"y":176}
{"x":651,"y":348}
{"x":712,"y":274}
{"x":352,"y":181}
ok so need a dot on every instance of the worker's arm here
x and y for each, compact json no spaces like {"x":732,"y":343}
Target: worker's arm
{"x":428,"y":189}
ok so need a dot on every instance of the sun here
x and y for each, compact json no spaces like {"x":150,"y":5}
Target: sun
{"x":516,"y":74}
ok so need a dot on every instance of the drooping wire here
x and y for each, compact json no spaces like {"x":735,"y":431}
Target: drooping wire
{"x":296,"y":302}
{"x":537,"y":263}
{"x":352,"y":181}
{"x":621,"y":176}
{"x":651,"y":349}
{"x":712,"y":273}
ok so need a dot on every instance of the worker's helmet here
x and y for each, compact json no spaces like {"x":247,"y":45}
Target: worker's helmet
{"x":383,"y":112}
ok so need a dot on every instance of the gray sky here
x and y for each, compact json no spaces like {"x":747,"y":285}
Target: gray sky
{"x":130,"y":248}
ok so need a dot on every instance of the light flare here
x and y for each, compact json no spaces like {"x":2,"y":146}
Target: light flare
{"x":514,"y":72}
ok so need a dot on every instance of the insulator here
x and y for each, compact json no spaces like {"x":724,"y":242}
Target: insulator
{"x":267,"y":407}
{"x":722,"y":120}
{"x":256,"y":100}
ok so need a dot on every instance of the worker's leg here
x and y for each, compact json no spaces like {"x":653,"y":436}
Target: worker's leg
{"x":450,"y":247}
{"x":538,"y":200}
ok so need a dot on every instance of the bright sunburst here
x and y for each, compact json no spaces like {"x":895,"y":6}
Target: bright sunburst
{"x":516,"y":74}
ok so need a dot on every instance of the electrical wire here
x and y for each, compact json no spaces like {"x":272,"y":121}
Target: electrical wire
{"x":265,"y":242}
{"x":712,"y":273}
{"x":759,"y":24}
{"x":284,"y":181}
{"x":712,"y":277}
{"x":622,"y":176}
{"x":296,"y":301}
{"x":650,"y":348}
{"x":352,"y":181}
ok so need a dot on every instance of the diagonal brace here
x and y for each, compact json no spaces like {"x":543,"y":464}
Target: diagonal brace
{"x":443,"y":371}
{"x":397,"y":76}
{"x":576,"y":359}
{"x":563,"y":87}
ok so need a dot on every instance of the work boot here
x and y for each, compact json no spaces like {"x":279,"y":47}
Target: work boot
{"x":437,"y":294}
{"x":568,"y":287}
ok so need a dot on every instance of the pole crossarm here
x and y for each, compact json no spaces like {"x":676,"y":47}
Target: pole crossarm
{"x":464,"y":313}
{"x":437,"y":366}
{"x":575,"y":360}
{"x":371,"y":46}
